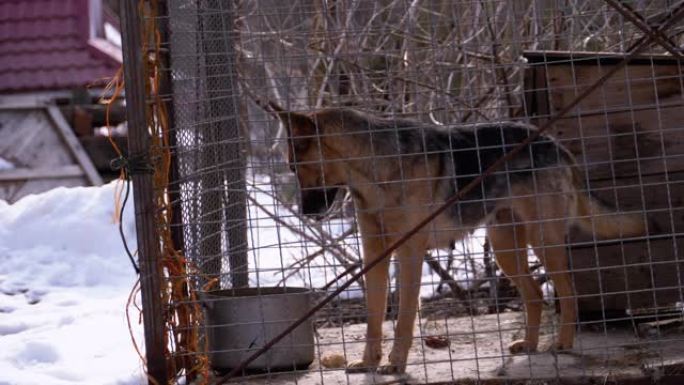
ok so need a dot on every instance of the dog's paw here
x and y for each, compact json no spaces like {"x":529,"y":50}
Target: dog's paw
{"x":333,"y":361}
{"x":522,"y":346}
{"x":392,"y":369}
{"x":360,"y":366}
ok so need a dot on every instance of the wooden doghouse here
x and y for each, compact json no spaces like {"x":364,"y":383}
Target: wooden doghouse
{"x":628,"y":136}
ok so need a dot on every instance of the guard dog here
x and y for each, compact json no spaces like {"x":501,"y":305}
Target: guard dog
{"x":399,"y":171}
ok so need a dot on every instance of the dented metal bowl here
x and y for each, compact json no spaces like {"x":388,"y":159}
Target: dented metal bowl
{"x":240,"y":321}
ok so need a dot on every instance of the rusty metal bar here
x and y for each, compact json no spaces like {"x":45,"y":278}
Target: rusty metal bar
{"x":522,"y":145}
{"x":143,"y":194}
{"x":656,"y":35}
{"x":645,"y":21}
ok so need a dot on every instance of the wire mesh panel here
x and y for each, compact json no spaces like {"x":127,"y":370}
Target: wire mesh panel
{"x":210,"y":147}
{"x":521,"y":161}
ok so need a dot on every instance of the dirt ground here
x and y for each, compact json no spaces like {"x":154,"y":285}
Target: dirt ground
{"x":477,"y":354}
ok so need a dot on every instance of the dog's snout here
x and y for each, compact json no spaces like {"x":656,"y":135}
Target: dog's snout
{"x":315,"y":202}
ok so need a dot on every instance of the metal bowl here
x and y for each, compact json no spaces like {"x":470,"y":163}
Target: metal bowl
{"x":240,"y":321}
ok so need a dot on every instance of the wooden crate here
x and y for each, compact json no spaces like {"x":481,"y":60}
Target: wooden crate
{"x":628,"y":137}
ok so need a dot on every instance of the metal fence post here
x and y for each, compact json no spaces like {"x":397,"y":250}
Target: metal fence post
{"x":223,"y":108}
{"x":138,"y":146}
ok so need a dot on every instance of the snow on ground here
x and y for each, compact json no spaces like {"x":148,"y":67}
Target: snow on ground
{"x":64,"y":283}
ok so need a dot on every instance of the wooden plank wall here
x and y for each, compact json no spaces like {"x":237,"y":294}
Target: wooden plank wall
{"x":43,"y":158}
{"x":628,"y":136}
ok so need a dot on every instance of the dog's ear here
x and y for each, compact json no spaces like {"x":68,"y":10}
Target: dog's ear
{"x":300,"y":128}
{"x":297,"y":124}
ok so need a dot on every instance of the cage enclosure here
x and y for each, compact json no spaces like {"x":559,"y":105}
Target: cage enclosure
{"x":245,"y":110}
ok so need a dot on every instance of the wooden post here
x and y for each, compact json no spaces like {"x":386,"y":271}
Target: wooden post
{"x":143,"y":193}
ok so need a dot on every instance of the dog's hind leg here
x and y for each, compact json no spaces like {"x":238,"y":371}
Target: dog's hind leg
{"x":376,"y":281}
{"x":509,"y":242}
{"x":410,"y":257}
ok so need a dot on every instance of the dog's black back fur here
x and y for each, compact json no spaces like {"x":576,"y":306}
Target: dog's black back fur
{"x":464,"y":152}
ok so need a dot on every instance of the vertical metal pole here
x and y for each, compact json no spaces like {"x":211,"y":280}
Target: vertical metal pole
{"x":143,"y":193}
{"x":211,"y":258}
{"x":233,"y":157}
{"x":224,"y":109}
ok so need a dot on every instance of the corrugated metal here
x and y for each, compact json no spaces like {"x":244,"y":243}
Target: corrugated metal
{"x":44,"y":46}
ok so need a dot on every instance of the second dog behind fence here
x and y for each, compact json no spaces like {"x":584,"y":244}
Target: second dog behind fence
{"x":399,"y":171}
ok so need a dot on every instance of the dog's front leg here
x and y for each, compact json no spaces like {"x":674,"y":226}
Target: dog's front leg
{"x":410,"y":259}
{"x":376,"y":302}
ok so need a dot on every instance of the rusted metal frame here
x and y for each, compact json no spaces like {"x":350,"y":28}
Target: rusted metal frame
{"x":143,"y":195}
{"x":657,"y":35}
{"x":451,"y":201}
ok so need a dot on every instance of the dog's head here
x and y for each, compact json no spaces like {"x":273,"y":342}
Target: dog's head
{"x":306,"y":156}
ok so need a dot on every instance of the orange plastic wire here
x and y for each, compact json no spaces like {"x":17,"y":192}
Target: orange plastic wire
{"x":116,"y":87}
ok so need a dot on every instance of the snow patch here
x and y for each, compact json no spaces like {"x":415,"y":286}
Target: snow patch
{"x":6,"y":164}
{"x":34,"y":353}
{"x":64,"y":284}
{"x":12,"y":328}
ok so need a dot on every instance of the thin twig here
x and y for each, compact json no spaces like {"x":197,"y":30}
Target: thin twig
{"x":297,"y":265}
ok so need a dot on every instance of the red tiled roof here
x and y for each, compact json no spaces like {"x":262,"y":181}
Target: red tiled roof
{"x":44,"y":45}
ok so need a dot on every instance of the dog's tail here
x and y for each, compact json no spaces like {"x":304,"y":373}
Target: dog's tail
{"x":595,"y":217}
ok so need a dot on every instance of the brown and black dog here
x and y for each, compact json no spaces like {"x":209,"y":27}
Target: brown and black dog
{"x":399,"y":171}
